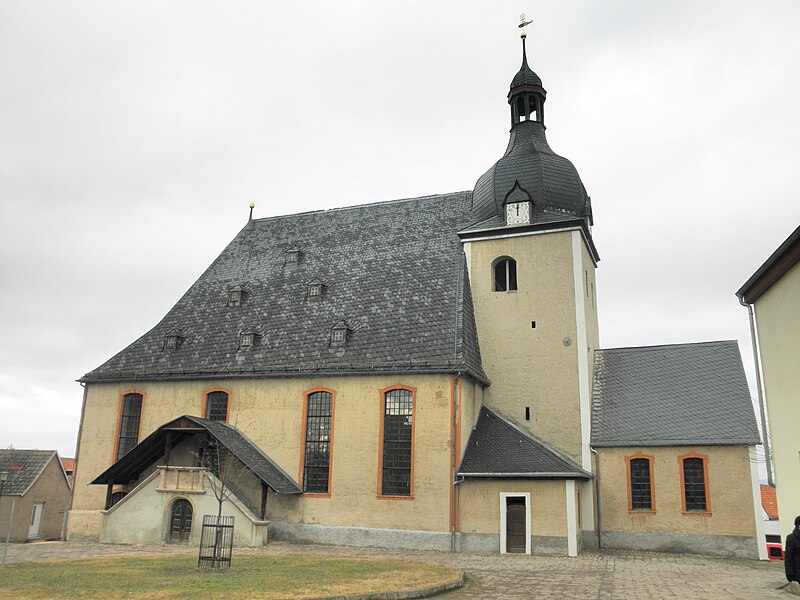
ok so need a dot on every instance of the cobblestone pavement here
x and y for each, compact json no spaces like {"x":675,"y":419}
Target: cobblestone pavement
{"x":602,"y":575}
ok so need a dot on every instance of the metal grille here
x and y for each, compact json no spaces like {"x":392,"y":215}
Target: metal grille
{"x":129,"y":424}
{"x":641,"y":494}
{"x":694,"y":484}
{"x":216,"y":542}
{"x":397,"y":426}
{"x":217,"y":406}
{"x":316,"y":465}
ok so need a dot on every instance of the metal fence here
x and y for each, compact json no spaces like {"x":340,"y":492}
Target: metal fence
{"x":216,"y":543}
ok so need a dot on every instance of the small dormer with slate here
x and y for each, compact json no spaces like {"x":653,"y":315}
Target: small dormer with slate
{"x":294,"y":256}
{"x":316,"y":290}
{"x":236,"y":295}
{"x":340,"y":334}
{"x":518,"y":206}
{"x":250,"y":337}
{"x":173,"y":339}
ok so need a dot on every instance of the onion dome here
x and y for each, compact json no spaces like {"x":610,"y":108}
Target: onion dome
{"x":551,"y":180}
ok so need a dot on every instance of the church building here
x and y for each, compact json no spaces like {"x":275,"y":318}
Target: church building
{"x":421,"y":373}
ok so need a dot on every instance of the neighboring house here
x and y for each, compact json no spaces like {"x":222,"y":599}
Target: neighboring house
{"x":37,"y":488}
{"x":773,"y":297}
{"x":69,"y":468}
{"x":417,"y":373}
{"x":772,"y":526}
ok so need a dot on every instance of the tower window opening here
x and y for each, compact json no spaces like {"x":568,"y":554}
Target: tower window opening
{"x":505,"y":275}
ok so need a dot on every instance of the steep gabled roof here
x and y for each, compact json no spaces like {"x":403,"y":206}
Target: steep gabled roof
{"x":394,"y":273}
{"x":680,"y":394}
{"x":499,"y":449}
{"x":151,"y":449}
{"x":24,"y":467}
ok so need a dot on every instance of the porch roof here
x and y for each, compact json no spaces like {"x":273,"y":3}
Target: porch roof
{"x":151,"y":449}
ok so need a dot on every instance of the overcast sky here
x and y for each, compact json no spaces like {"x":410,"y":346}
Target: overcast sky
{"x":133,"y":136}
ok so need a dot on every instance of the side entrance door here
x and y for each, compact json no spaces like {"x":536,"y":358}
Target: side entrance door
{"x":515,"y":524}
{"x":36,"y":520}
{"x":180,"y":522}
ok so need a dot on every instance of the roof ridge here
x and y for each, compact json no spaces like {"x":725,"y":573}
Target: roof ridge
{"x":674,"y":345}
{"x":358,"y":206}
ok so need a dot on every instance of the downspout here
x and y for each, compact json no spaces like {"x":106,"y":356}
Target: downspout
{"x":597,"y":492}
{"x":760,"y":394}
{"x":453,"y":463}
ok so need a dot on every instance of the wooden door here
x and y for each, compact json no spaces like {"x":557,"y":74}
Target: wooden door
{"x":180,"y":522}
{"x":516,"y":515}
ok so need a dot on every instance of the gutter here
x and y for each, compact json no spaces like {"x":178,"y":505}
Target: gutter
{"x":759,"y":389}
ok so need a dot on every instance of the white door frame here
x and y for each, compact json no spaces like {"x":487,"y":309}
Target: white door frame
{"x":36,"y":519}
{"x":504,"y":509}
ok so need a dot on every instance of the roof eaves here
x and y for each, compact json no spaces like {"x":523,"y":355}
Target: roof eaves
{"x":581,"y":474}
{"x":765,"y":276}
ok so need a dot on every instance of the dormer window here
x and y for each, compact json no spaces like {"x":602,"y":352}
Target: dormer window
{"x":339,"y":334}
{"x":173,"y":340}
{"x":249,"y":338}
{"x":315,"y":290}
{"x":293,"y":256}
{"x":235,"y":296}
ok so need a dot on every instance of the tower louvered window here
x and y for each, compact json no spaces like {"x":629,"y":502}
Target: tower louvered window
{"x":216,"y":406}
{"x":317,"y":449}
{"x":640,"y":482}
{"x":129,"y":423}
{"x":398,"y":414}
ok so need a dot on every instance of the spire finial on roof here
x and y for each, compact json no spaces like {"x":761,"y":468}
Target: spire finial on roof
{"x":252,"y":206}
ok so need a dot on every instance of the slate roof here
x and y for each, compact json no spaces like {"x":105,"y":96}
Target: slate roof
{"x":24,"y":467}
{"x":525,"y":75}
{"x":394,"y":273}
{"x":151,"y":449}
{"x":681,"y":394}
{"x":499,"y":449}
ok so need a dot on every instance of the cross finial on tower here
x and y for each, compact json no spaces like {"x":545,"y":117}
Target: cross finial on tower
{"x":523,"y":23}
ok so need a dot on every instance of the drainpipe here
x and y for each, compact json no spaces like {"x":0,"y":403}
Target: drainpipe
{"x":759,"y":392}
{"x":453,"y":463}
{"x":597,"y":492}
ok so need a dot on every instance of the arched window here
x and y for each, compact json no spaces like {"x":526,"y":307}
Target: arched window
{"x":397,"y":432}
{"x":694,"y":483}
{"x":505,"y":275}
{"x":317,"y":443}
{"x":180,"y":522}
{"x":216,"y":406}
{"x":641,"y":495}
{"x":130,"y":417}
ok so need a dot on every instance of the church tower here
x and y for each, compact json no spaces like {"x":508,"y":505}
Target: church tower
{"x":532,"y":262}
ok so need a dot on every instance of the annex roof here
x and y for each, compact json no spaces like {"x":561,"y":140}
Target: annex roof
{"x":776,"y":266}
{"x":151,"y":449}
{"x":394,"y":271}
{"x":24,"y":467}
{"x":497,"y":448}
{"x":680,"y":394}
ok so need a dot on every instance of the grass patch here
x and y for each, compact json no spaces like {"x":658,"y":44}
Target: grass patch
{"x":162,"y":577}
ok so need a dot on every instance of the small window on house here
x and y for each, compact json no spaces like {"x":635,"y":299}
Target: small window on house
{"x":339,"y":334}
{"x":640,"y":484}
{"x":216,"y":406}
{"x":129,"y":423}
{"x":247,"y":340}
{"x":693,"y":479}
{"x":396,"y":450}
{"x":505,"y":275}
{"x":315,"y":289}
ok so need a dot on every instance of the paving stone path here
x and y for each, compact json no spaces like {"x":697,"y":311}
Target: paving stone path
{"x":602,"y":575}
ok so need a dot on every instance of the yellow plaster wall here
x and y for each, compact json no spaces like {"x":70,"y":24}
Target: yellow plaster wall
{"x":778,"y":321}
{"x":479,"y":505}
{"x":531,"y":367}
{"x":270,"y":412}
{"x":730,"y":492}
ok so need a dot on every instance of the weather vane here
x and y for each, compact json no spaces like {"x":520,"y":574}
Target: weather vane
{"x":523,"y":22}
